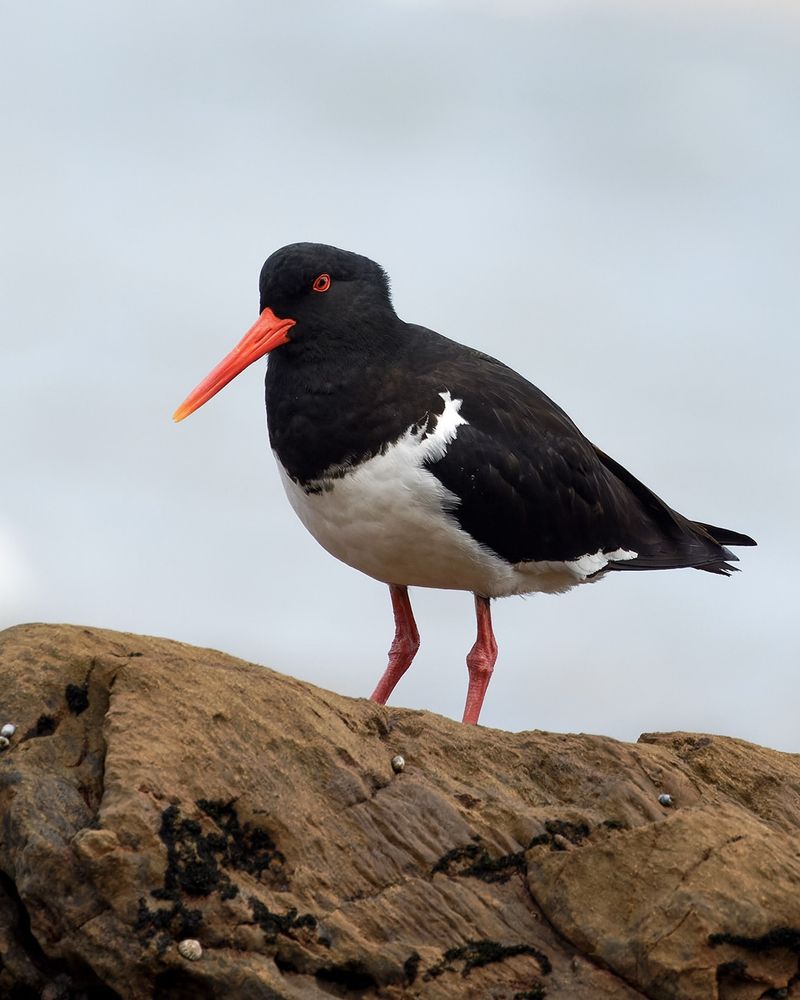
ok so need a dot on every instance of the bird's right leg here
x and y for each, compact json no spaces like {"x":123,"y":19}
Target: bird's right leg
{"x":404,"y":646}
{"x":480,"y":661}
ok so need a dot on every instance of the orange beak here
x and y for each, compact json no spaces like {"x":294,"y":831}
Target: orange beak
{"x":267,"y":333}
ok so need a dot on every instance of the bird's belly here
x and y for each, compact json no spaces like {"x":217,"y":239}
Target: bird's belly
{"x":391,"y":519}
{"x":392,"y":524}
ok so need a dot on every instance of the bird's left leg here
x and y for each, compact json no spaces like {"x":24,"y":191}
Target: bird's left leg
{"x":480,"y":661}
{"x":404,"y":646}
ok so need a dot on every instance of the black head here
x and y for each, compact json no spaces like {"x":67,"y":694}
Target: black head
{"x":315,"y":300}
{"x":318,"y":285}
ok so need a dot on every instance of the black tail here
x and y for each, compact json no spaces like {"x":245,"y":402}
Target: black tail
{"x":679,"y":542}
{"x":723,"y":537}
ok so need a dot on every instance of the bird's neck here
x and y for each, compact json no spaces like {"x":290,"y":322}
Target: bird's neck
{"x":329,"y":407}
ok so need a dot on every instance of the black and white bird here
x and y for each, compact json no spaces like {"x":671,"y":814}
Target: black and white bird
{"x":425,"y":463}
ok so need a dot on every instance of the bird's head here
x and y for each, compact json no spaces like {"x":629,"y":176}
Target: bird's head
{"x":310,"y":293}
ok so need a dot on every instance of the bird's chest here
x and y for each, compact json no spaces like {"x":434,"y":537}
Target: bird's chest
{"x":323,"y":418}
{"x":390,"y":517}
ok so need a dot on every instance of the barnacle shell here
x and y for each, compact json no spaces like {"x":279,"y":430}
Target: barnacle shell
{"x":190,"y":949}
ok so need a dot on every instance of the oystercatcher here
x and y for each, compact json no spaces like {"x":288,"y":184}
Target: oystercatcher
{"x":424,"y":463}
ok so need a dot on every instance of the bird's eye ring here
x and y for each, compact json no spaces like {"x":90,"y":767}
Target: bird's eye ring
{"x":322,"y":283}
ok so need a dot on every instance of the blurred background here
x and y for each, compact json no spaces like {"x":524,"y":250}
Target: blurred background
{"x":602,"y":194}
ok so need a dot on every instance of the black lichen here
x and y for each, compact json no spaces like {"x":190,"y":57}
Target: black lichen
{"x":475,"y":954}
{"x":200,"y":855}
{"x":273,"y":924}
{"x":170,"y":924}
{"x":411,"y":967}
{"x":197,"y":858}
{"x":243,"y":847}
{"x":778,"y":937}
{"x":575,"y":833}
{"x":77,"y":697}
{"x":729,"y":970}
{"x":536,"y":992}
{"x":192,"y":864}
{"x":46,"y":725}
{"x":473,"y":860}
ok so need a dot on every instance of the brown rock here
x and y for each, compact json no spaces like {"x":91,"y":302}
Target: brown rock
{"x":154,"y":792}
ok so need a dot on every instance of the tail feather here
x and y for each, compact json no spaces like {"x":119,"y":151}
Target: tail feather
{"x":724,"y":536}
{"x":722,"y":568}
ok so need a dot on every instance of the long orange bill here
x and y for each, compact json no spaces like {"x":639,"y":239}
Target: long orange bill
{"x":267,"y":333}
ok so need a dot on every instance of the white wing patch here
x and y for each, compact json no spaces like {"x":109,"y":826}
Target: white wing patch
{"x":447,"y":424}
{"x":588,"y":565}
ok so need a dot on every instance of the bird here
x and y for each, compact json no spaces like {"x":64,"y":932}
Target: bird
{"x":423,"y":462}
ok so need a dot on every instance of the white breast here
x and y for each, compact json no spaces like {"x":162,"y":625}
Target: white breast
{"x":391,"y":518}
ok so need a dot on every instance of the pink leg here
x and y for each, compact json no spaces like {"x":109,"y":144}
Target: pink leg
{"x":404,"y":646}
{"x":480,"y":661}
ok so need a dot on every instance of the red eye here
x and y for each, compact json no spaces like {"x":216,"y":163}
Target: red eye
{"x":322,"y":283}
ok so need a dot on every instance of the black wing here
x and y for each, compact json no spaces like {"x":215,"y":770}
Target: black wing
{"x":532,"y":487}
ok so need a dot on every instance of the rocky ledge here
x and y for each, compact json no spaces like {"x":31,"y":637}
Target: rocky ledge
{"x":177,"y":823}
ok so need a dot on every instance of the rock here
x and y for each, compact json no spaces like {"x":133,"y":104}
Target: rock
{"x":156,"y":793}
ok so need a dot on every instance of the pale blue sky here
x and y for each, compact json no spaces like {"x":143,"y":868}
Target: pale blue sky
{"x":604,"y":195}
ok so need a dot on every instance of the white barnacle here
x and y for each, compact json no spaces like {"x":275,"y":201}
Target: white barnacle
{"x":190,"y":949}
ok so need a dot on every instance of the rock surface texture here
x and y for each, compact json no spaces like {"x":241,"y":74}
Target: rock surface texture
{"x":154,"y":793}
